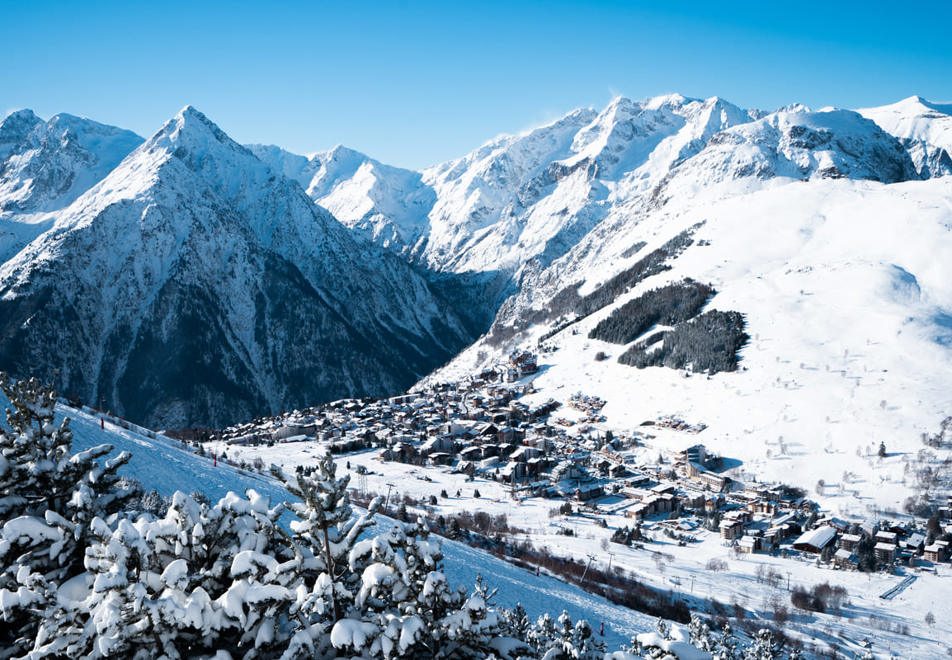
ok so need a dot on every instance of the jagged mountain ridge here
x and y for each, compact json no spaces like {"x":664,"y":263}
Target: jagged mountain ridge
{"x":195,"y":285}
{"x":522,"y":201}
{"x":45,"y":165}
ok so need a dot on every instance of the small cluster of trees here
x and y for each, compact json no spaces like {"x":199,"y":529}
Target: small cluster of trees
{"x":822,"y":598}
{"x":567,"y":303}
{"x":627,"y":535}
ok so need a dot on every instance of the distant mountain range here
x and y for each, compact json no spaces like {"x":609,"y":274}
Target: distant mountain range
{"x":186,"y":279}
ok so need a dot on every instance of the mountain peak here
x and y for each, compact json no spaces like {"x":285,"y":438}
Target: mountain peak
{"x":16,"y":125}
{"x":192,"y":118}
{"x":667,"y":101}
{"x":942,"y":108}
{"x":190,"y":129}
{"x":20,"y":115}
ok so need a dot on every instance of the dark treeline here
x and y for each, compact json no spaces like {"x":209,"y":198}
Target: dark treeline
{"x":666,"y":305}
{"x":709,"y":342}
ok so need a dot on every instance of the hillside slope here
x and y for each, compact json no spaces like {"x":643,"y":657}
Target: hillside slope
{"x":848,"y":307}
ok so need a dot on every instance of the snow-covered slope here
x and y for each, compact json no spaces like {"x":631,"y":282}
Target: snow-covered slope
{"x":195,"y":285}
{"x":923,"y":127}
{"x":848,"y":305}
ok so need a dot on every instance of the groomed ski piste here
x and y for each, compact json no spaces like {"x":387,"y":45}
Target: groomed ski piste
{"x":161,"y":463}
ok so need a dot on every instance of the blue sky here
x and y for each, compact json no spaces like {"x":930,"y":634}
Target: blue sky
{"x":416,"y":84}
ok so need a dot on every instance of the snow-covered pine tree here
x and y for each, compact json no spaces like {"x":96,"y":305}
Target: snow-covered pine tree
{"x":543,"y":635}
{"x":763,"y":647}
{"x":48,"y":497}
{"x":517,"y":621}
{"x":726,"y":646}
{"x":200,"y":580}
{"x":324,"y":535}
{"x":405,"y":608}
{"x":700,"y":633}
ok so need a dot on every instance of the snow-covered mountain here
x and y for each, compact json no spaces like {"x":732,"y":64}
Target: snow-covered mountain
{"x":818,"y":229}
{"x":195,"y":285}
{"x":924,"y":129}
{"x":522,"y":201}
{"x":45,"y":165}
{"x":194,"y":242}
{"x":387,"y":205}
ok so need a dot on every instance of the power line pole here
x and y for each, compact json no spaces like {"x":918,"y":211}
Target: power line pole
{"x":591,"y":558}
{"x":389,"y":488}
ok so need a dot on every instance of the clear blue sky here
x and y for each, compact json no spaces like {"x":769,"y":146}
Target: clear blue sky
{"x":416,"y":84}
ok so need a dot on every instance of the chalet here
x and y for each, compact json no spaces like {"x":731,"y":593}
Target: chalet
{"x":887,"y":537}
{"x":638,"y":480}
{"x":713,"y":503}
{"x":765,"y":507}
{"x":535,"y":466}
{"x":661,"y":489}
{"x":786,"y":530}
{"x":839,"y":525}
{"x":471,"y":453}
{"x":637,"y":494}
{"x":618,"y":471}
{"x":899,"y":529}
{"x":693,"y":499}
{"x":524,"y":453}
{"x":588,"y":492}
{"x":885,"y":552}
{"x":540,"y":442}
{"x":938,"y":551}
{"x":914,"y":544}
{"x":512,"y":472}
{"x":845,"y":560}
{"x":849,"y":542}
{"x":401,"y":452}
{"x":731,"y":528}
{"x":441,"y":458}
{"x":749,"y":544}
{"x":439,"y":444}
{"x":815,"y":539}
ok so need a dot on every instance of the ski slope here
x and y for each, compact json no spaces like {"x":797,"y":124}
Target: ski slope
{"x":160,"y":463}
